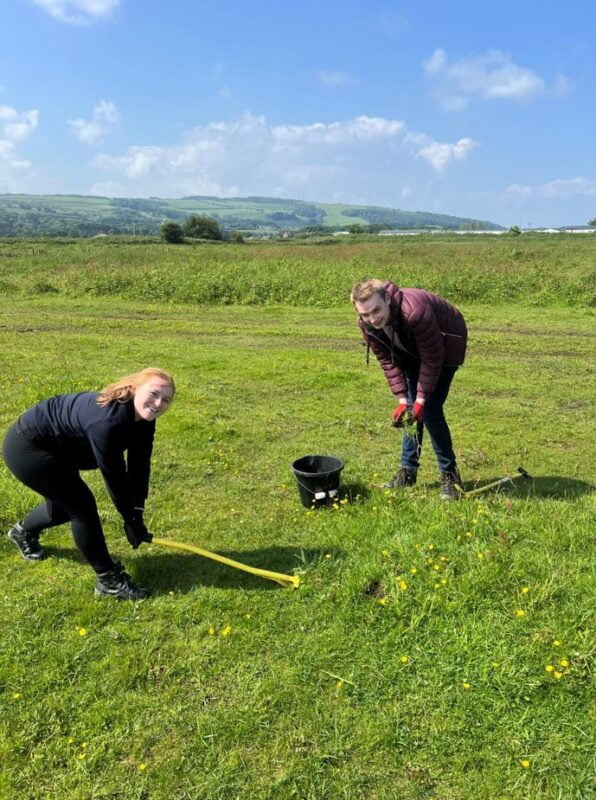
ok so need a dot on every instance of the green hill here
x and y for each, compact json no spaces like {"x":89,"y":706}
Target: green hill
{"x":80,"y":215}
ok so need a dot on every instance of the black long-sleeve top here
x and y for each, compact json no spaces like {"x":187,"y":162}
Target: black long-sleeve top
{"x":90,"y":436}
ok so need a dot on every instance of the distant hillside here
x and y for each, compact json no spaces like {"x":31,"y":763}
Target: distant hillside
{"x":81,"y":215}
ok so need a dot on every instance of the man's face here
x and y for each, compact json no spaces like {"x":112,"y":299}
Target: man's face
{"x":375,"y":311}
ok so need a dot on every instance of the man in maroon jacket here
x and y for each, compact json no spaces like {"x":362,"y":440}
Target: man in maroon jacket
{"x":419,"y":340}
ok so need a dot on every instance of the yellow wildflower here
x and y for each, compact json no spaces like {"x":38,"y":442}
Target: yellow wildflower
{"x":525,"y":589}
{"x":563,"y":662}
{"x":413,"y":571}
{"x":556,"y":643}
{"x":142,"y":767}
{"x":82,"y":631}
{"x":404,"y":659}
{"x":525,"y":763}
{"x":520,"y":613}
{"x":211,"y":631}
{"x":403,"y":586}
{"x":558,"y":675}
{"x":382,"y":601}
{"x":16,"y":695}
{"x":385,"y":553}
{"x":549,"y":668}
{"x":466,"y":685}
{"x":226,"y":631}
{"x":339,"y":684}
{"x":327,"y":555}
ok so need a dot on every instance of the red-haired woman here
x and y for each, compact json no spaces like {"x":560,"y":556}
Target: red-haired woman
{"x":50,"y":443}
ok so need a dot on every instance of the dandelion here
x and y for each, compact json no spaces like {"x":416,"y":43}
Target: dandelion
{"x":442,"y":558}
{"x":469,"y":535}
{"x":443,"y":581}
{"x":339,"y":684}
{"x":437,"y":585}
{"x":520,"y":613}
{"x":480,"y":556}
{"x":563,"y":662}
{"x":84,"y":745}
{"x":549,"y":668}
{"x":16,"y":695}
{"x":247,"y":616}
{"x":327,"y":555}
{"x":431,"y":547}
{"x":556,"y":643}
{"x":403,"y":586}
{"x":344,"y":501}
{"x":436,"y":567}
{"x":385,"y":553}
{"x":82,"y":631}
{"x":413,"y":571}
{"x":466,"y":685}
{"x":81,"y":756}
{"x":525,"y":589}
{"x":211,"y":631}
{"x":142,"y":767}
{"x":404,"y":659}
{"x":558,"y":675}
{"x":525,"y":763}
{"x":171,"y":594}
{"x":70,"y":740}
{"x":382,"y":601}
{"x":226,"y":631}
{"x":495,"y":664}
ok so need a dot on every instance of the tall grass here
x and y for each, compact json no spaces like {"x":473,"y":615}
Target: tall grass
{"x":555,"y":270}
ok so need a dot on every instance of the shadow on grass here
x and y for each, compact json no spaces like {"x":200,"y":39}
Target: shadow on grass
{"x":554,"y":486}
{"x":164,"y":570}
{"x":354,"y":491}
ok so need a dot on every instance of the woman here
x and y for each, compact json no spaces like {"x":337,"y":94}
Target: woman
{"x":51,"y":442}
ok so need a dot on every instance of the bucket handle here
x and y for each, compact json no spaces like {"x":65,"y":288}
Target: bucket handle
{"x":331,"y":493}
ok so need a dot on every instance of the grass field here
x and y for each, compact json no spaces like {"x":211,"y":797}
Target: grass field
{"x":415,"y":660}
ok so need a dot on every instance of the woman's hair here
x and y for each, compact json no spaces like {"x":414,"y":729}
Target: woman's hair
{"x":123,"y":390}
{"x":364,"y":290}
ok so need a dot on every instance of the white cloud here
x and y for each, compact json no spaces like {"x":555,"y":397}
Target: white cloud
{"x":78,"y":12}
{"x":17,"y":125}
{"x":248,"y":156}
{"x":104,"y":117}
{"x":440,"y":154}
{"x":335,"y":78}
{"x":559,"y":189}
{"x":488,"y":76}
{"x":14,"y":127}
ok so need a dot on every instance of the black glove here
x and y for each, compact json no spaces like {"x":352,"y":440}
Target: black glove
{"x":136,"y":530}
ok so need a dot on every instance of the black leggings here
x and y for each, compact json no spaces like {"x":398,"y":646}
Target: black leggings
{"x":67,"y":496}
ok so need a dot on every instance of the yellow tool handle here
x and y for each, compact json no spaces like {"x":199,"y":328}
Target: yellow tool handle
{"x":284,"y":580}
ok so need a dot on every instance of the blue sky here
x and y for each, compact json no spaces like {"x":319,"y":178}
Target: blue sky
{"x":477,"y":110}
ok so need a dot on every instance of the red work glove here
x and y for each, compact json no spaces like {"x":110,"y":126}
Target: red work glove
{"x":399,"y":412}
{"x":418,"y":411}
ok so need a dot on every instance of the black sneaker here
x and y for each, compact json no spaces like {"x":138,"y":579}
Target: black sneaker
{"x":28,"y":543}
{"x":405,"y":477}
{"x":451,"y":488}
{"x":117,"y":583}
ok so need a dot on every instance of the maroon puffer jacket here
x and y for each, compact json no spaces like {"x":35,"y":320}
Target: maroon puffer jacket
{"x":432,"y":331}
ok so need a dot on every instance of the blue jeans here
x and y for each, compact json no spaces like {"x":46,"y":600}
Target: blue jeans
{"x":434,"y":422}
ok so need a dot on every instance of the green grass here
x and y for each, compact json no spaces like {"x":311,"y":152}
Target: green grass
{"x":542,"y":271}
{"x":308,"y":696}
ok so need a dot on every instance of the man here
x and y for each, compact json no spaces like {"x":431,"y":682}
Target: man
{"x":419,"y":340}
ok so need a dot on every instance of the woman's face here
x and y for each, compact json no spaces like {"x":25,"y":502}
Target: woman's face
{"x":152,"y":399}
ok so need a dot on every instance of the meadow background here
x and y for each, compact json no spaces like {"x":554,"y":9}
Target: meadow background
{"x":433,"y":650}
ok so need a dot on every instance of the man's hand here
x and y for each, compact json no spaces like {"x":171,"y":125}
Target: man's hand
{"x":398,"y":414}
{"x":418,"y":410}
{"x":136,"y":531}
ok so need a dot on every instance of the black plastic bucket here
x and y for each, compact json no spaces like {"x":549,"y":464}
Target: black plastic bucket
{"x":318,"y":479}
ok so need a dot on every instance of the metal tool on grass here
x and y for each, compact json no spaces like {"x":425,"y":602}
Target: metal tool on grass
{"x":522,"y":473}
{"x":284,"y":580}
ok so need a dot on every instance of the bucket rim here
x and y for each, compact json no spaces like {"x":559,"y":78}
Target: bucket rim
{"x":297,"y":471}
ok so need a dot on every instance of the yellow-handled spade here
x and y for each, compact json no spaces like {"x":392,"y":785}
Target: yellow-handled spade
{"x":286,"y":581}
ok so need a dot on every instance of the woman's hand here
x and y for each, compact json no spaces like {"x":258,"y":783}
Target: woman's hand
{"x":136,"y":531}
